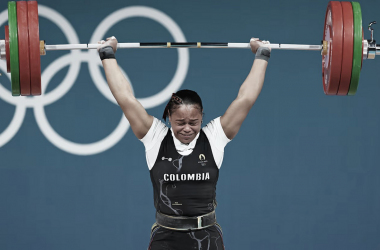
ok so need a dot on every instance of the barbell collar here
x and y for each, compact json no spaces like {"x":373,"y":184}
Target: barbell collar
{"x":365,"y":49}
{"x":2,"y":50}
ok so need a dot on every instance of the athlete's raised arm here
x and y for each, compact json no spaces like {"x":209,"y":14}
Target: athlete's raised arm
{"x":249,"y":91}
{"x":121,"y":89}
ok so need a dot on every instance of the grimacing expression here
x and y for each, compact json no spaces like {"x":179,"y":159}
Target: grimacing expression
{"x":186,"y":121}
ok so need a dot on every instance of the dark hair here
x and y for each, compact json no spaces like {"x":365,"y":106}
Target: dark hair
{"x":185,"y":96}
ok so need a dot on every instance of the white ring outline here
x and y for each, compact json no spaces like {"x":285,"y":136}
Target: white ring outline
{"x":66,"y":145}
{"x":65,"y":86}
{"x":164,"y":20}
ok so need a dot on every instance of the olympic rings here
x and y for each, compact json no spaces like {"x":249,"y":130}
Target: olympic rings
{"x":74,"y":60}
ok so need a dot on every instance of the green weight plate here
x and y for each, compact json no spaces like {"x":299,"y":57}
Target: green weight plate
{"x":358,"y":48}
{"x":7,"y":57}
{"x":13,"y":48}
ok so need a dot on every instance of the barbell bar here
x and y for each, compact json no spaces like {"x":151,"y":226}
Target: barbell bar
{"x":343,"y":47}
{"x":183,"y":45}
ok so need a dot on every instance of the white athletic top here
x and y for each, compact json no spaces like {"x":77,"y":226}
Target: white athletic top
{"x":213,"y":130}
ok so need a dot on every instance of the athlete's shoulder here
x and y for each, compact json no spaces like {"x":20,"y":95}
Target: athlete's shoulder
{"x":156,"y":133}
{"x":212,"y":126}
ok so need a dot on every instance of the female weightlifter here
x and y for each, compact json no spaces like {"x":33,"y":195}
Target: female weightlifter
{"x":184,"y":160}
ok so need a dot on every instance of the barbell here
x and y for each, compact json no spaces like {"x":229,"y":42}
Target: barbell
{"x":343,"y":47}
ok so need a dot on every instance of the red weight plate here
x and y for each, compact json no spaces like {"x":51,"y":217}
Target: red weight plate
{"x":7,"y":49}
{"x":333,"y":34}
{"x":34,"y":48}
{"x":23,"y":46}
{"x":348,"y":48}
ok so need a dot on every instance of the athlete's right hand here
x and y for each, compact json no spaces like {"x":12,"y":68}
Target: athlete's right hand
{"x":256,"y":43}
{"x":110,"y":41}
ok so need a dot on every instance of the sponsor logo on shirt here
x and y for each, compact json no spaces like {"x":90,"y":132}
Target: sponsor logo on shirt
{"x":202,"y":160}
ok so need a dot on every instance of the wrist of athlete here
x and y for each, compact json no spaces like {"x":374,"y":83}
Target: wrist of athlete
{"x":106,"y":53}
{"x":263,"y":53}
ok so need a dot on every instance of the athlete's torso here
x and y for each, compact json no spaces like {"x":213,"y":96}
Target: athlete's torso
{"x":185,"y":185}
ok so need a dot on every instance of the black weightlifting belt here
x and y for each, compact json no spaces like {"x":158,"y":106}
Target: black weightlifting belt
{"x":185,"y":223}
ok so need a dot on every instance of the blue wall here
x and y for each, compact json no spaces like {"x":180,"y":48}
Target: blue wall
{"x":303,"y":172}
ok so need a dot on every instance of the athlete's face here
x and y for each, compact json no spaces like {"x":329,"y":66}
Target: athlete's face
{"x":186,"y":121}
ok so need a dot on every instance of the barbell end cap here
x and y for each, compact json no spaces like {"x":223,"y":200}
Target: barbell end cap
{"x":42,"y":48}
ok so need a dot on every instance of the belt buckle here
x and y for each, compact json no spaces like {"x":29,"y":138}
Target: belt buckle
{"x":199,"y":218}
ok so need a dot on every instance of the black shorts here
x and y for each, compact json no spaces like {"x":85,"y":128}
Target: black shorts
{"x":206,"y":239}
